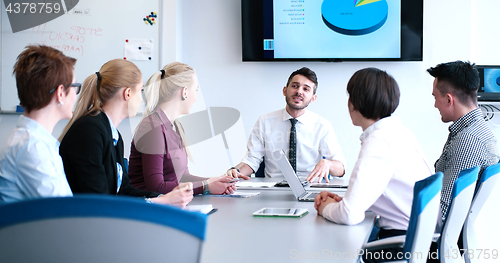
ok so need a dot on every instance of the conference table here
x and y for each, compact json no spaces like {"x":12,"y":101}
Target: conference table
{"x":235,"y":235}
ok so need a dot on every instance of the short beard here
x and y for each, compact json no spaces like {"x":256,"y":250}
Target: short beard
{"x":292,"y":106}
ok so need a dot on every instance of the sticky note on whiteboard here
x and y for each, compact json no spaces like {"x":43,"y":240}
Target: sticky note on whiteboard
{"x":138,"y":49}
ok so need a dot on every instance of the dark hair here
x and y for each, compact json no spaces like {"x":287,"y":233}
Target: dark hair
{"x":306,"y":72}
{"x":374,"y":93}
{"x":38,"y":70}
{"x":458,"y":78}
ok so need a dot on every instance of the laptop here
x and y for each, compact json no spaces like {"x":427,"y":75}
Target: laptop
{"x":297,"y":188}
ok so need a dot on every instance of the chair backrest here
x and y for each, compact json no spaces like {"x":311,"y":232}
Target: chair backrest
{"x":423,"y":217}
{"x":485,"y":187}
{"x":98,"y":228}
{"x":461,"y":198}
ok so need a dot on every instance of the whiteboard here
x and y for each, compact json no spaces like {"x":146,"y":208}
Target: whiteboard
{"x":93,"y":32}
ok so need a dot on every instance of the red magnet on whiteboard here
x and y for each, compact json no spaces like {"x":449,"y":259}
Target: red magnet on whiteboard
{"x":126,"y":40}
{"x":124,"y":57}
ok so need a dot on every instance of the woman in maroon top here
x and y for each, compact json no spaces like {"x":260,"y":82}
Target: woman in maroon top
{"x":158,"y":155}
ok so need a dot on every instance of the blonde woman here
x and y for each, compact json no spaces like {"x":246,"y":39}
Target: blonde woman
{"x":30,"y":165}
{"x":92,"y":147}
{"x":158,"y":155}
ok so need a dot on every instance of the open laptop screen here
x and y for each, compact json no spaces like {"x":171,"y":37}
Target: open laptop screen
{"x":287,"y":170}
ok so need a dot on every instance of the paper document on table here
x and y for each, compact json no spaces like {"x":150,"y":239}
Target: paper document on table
{"x":239,"y":194}
{"x":255,"y":184}
{"x":205,"y":209}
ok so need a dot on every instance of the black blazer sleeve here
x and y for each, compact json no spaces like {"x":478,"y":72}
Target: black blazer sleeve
{"x":89,"y":157}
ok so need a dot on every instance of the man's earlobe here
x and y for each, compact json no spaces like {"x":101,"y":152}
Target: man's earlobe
{"x":450,"y":99}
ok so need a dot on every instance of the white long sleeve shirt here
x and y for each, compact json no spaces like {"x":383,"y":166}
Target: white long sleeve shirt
{"x":389,"y":163}
{"x":315,"y":140}
{"x":30,"y":165}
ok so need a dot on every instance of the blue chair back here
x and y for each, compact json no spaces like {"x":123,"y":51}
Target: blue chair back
{"x":99,"y":228}
{"x":486,"y":184}
{"x":423,"y":217}
{"x":462,"y":193}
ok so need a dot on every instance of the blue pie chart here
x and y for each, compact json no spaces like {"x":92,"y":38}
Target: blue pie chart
{"x":354,"y":17}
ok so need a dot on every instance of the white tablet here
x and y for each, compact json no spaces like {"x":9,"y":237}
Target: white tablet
{"x":281,"y":212}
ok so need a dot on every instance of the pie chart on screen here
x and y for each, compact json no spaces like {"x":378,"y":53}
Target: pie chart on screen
{"x":354,"y":17}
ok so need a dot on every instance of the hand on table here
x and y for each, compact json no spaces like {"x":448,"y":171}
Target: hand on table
{"x":235,"y":174}
{"x":221,"y":185}
{"x":323,"y":199}
{"x":180,"y":196}
{"x":320,"y":171}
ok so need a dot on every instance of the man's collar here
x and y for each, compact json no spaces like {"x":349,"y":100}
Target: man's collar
{"x":465,"y":121}
{"x":302,"y":118}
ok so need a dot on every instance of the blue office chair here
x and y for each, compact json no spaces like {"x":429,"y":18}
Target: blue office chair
{"x":98,"y":228}
{"x":486,"y":184}
{"x":423,"y":218}
{"x":462,"y":193}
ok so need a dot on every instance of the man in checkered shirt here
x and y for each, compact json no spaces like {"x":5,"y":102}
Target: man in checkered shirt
{"x":470,"y":142}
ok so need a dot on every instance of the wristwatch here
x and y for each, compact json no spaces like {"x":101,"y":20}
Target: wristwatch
{"x":206,"y":191}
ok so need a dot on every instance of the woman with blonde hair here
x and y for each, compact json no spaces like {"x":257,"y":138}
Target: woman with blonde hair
{"x":158,"y":155}
{"x":92,"y":147}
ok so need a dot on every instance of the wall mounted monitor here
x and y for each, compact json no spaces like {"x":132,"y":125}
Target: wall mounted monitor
{"x":332,"y":30}
{"x":489,"y":83}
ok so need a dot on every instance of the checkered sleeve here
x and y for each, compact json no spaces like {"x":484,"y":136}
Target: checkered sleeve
{"x":464,"y":152}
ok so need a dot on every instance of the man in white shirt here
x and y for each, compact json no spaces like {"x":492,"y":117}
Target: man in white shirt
{"x":307,"y":138}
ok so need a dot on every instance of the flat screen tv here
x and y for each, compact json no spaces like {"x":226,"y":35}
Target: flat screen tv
{"x":332,"y":30}
{"x":489,"y":83}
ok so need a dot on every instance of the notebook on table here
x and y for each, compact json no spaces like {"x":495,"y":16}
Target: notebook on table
{"x":297,"y":188}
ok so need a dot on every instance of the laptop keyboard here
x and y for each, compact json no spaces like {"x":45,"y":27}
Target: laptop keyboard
{"x":312,"y":195}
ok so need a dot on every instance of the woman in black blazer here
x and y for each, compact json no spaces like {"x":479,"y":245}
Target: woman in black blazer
{"x":92,"y":148}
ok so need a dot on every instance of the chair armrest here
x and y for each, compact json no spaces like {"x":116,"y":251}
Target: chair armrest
{"x":395,"y":241}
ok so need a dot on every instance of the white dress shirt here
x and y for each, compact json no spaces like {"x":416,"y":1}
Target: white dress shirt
{"x":30,"y":165}
{"x":315,"y":140}
{"x":389,"y":163}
